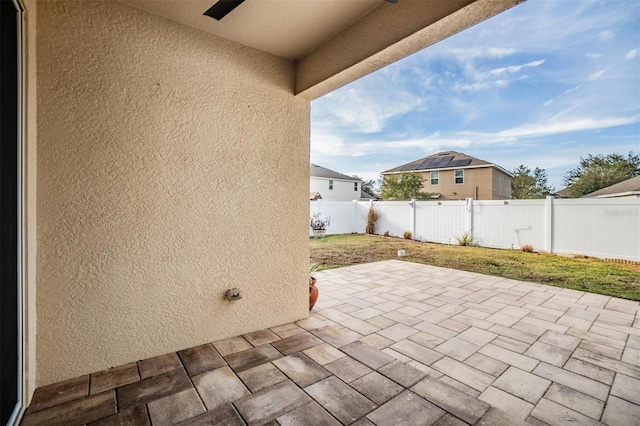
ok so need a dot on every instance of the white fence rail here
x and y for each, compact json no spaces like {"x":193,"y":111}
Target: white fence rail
{"x":605,"y":228}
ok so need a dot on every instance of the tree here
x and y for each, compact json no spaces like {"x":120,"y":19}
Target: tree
{"x":525,"y":184}
{"x":599,"y":171}
{"x":406,"y":186}
{"x":369,"y":186}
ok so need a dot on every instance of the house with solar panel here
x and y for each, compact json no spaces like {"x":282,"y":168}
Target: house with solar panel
{"x":455,"y":176}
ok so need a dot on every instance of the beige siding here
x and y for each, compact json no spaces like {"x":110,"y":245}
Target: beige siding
{"x":161,"y":151}
{"x":485,"y":183}
{"x":501,"y":185}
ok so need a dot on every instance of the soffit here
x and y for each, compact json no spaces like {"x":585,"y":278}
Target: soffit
{"x":290,"y":29}
{"x":334,"y":42}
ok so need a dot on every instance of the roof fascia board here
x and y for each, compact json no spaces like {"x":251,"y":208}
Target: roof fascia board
{"x":479,"y":166}
{"x":387,"y":34}
{"x":331,"y":178}
{"x":615,"y":195}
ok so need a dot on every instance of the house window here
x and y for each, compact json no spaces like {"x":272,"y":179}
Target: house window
{"x":459,"y":177}
{"x":331,"y":185}
{"x":355,"y":186}
{"x":435,"y":178}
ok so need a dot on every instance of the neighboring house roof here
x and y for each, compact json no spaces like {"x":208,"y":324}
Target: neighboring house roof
{"x":315,"y":196}
{"x":621,"y":189}
{"x":563,"y":193}
{"x":444,"y":160}
{"x":366,"y":196}
{"x":323,"y":172}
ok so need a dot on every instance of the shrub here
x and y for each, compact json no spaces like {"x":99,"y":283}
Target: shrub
{"x":407,"y":235}
{"x":527,"y":248}
{"x":467,"y":239}
{"x":372,"y":219}
{"x":317,"y":223}
{"x":386,"y":233}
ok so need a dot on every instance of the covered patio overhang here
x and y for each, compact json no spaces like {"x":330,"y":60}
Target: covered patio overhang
{"x":333,"y":43}
{"x":165,"y":160}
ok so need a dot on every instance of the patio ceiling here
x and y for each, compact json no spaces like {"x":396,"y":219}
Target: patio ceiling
{"x":332,"y":42}
{"x":284,"y":28}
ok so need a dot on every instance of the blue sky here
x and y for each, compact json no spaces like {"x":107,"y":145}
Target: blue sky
{"x":542,"y":84}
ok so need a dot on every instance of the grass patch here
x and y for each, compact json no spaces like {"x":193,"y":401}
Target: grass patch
{"x":585,"y":274}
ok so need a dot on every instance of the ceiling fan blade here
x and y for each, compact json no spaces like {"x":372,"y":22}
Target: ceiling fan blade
{"x":222,"y":8}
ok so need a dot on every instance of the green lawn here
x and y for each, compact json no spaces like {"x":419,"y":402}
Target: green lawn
{"x":580,"y":273}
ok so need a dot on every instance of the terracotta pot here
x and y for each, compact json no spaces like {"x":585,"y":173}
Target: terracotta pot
{"x":313,"y":292}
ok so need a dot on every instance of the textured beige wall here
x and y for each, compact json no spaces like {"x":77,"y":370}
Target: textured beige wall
{"x":172,"y":165}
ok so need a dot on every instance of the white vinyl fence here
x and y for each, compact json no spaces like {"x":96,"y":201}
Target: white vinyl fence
{"x":605,"y":228}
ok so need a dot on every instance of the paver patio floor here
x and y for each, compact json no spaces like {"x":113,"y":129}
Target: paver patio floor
{"x":388,"y":343}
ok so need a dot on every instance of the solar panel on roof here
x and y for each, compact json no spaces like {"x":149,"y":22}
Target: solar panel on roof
{"x":442,"y":161}
{"x":454,"y":163}
{"x":425,"y":164}
{"x":410,"y":166}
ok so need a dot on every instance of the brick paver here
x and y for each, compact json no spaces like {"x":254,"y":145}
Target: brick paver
{"x":389,"y":343}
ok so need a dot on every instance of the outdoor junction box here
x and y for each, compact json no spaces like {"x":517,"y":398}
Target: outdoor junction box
{"x":233,"y":294}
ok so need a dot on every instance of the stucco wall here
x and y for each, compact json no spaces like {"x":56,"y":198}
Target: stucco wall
{"x":172,"y":165}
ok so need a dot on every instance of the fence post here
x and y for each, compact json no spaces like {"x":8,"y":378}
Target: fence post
{"x":548,"y":224}
{"x":469,"y":208}
{"x":413,"y":218}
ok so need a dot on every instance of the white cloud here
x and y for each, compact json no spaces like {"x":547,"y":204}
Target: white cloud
{"x":573,"y":106}
{"x":473,"y":87}
{"x":632,"y":54}
{"x":549,"y":102}
{"x":574,"y":125}
{"x":365,"y":110}
{"x":515,"y":68}
{"x":482,"y":52}
{"x":596,"y":75}
{"x":593,"y":55}
{"x":606,"y":35}
{"x":500,"y":52}
{"x":482,"y":80}
{"x":325,"y":146}
{"x":573,"y":89}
